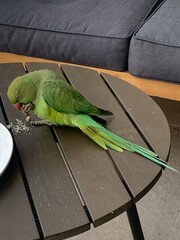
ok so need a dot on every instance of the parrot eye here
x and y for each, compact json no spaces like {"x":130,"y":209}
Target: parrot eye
{"x":18,"y":97}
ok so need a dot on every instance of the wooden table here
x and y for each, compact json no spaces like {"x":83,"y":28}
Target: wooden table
{"x":59,"y":181}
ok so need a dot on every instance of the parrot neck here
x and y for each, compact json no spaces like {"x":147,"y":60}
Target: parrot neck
{"x":34,"y":79}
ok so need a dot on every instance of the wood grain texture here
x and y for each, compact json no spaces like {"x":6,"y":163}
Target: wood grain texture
{"x":57,"y":203}
{"x":16,"y":218}
{"x":152,"y":87}
{"x":100,"y":187}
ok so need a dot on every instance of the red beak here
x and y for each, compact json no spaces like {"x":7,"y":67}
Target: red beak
{"x":18,"y":106}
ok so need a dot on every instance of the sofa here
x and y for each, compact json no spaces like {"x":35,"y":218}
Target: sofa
{"x":142,"y":37}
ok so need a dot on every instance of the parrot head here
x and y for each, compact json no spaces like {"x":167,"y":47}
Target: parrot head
{"x":21,"y":92}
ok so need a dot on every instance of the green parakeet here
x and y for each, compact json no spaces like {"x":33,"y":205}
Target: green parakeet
{"x":56,"y":102}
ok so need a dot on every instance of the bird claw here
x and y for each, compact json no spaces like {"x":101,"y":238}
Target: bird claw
{"x":27,"y":107}
{"x":40,"y":123}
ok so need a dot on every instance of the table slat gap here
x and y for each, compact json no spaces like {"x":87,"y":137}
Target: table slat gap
{"x":140,"y":118}
{"x":129,"y":115}
{"x":81,"y":222}
{"x":72,"y":176}
{"x":134,"y":167}
{"x":6,"y":121}
{"x":64,"y":157}
{"x":21,"y":168}
{"x":15,"y":189}
{"x":35,"y":66}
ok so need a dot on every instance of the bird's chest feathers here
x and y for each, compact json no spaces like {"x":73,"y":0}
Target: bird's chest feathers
{"x":43,"y":111}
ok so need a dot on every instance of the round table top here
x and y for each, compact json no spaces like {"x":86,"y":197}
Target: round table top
{"x":69,"y":180}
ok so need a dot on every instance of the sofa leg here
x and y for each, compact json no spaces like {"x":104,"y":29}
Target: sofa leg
{"x":135,"y":224}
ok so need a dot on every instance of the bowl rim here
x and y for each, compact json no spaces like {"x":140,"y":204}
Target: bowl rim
{"x":5,"y":163}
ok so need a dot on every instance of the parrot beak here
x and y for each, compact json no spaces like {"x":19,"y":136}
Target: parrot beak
{"x":18,"y":106}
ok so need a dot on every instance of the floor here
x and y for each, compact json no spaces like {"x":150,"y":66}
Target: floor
{"x":159,"y":210}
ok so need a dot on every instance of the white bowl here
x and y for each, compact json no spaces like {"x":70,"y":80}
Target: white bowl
{"x":6,"y":148}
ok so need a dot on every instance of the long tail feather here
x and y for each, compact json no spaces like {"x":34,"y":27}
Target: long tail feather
{"x":100,"y":140}
{"x":105,"y":138}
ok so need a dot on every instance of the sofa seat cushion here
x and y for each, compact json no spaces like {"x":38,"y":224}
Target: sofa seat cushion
{"x":89,"y":32}
{"x":155,"y":46}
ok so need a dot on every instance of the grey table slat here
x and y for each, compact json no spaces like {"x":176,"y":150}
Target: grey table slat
{"x":151,"y":121}
{"x":57,"y":203}
{"x":102,"y":191}
{"x":139,"y":173}
{"x":141,"y":109}
{"x":32,"y":66}
{"x":16,"y":218}
{"x":100,"y":181}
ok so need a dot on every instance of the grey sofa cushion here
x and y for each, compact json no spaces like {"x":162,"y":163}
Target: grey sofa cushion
{"x":89,"y":32}
{"x":155,"y":47}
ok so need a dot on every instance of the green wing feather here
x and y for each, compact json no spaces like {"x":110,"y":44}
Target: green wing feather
{"x":62,"y":97}
{"x":105,"y":138}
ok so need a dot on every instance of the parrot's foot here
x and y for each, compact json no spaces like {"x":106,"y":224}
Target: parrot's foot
{"x":40,"y":123}
{"x":27,"y":107}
